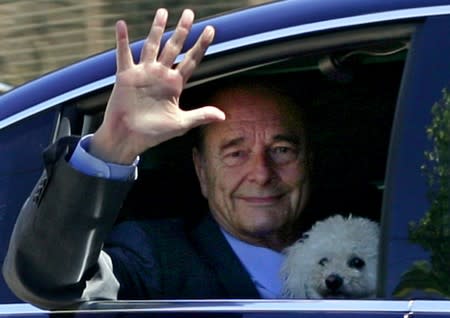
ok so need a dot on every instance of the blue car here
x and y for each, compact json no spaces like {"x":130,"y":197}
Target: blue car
{"x":375,"y":78}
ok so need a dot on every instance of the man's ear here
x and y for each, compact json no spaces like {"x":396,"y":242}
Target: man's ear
{"x":200,"y":170}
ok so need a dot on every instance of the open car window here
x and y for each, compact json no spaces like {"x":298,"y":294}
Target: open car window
{"x":348,"y":83}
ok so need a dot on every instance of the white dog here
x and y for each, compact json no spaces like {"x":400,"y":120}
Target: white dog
{"x":337,"y":258}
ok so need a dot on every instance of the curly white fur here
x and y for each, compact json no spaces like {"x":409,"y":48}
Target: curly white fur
{"x":337,"y":258}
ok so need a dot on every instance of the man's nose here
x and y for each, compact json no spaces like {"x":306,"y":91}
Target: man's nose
{"x":261,"y":169}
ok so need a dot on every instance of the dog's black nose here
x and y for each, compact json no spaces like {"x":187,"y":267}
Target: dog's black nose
{"x":333,"y":282}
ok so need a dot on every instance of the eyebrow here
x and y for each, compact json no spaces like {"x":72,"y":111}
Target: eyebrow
{"x":231,"y":143}
{"x":293,"y":139}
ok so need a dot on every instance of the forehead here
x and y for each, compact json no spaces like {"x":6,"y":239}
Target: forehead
{"x":248,"y":103}
{"x":250,"y":111}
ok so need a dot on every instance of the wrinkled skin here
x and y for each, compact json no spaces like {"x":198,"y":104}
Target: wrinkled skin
{"x":253,"y":169}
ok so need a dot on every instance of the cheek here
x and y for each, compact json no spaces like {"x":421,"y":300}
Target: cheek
{"x":296,"y":179}
{"x":294,"y":175}
{"x":221,"y":183}
{"x":225,"y":178}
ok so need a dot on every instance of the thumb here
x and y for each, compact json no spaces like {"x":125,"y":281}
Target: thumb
{"x":202,"y":116}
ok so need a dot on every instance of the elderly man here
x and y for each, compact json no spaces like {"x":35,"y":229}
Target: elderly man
{"x":252,"y":164}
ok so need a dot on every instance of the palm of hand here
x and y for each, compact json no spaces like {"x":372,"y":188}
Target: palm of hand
{"x":146,"y":99}
{"x":143,"y":109}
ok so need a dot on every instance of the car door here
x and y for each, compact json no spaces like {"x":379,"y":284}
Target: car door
{"x":369,"y":86}
{"x":418,"y":172}
{"x":21,"y":147}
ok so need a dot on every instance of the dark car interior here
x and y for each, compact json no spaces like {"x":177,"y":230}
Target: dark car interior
{"x":349,"y":96}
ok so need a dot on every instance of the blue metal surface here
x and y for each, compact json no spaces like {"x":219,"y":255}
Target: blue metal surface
{"x":224,"y":308}
{"x":249,"y":308}
{"x":22,"y":143}
{"x":422,"y":87}
{"x":217,"y":48}
{"x":21,"y":165}
{"x":260,"y":19}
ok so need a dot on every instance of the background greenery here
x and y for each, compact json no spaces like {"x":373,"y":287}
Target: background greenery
{"x":432,"y":232}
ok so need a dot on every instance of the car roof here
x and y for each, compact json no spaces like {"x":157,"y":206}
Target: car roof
{"x":229,"y":27}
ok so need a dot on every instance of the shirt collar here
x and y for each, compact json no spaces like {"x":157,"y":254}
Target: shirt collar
{"x":263,"y":265}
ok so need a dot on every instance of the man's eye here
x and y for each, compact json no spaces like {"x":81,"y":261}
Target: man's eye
{"x":235,"y":158}
{"x":236,"y":154}
{"x":283,"y":155}
{"x":281,"y":150}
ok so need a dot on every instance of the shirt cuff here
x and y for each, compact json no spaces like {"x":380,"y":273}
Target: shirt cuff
{"x":86,"y":163}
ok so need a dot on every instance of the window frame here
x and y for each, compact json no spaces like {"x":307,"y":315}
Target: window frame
{"x":404,"y":180}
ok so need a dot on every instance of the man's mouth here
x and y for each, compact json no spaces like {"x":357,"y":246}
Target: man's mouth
{"x":261,"y":200}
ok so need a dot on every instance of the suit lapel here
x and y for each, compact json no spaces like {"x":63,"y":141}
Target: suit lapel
{"x":212,"y":245}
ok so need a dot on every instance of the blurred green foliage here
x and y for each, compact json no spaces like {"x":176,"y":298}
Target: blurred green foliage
{"x":432,"y":232}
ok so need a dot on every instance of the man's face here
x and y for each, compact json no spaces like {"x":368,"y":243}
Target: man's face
{"x":253,"y":169}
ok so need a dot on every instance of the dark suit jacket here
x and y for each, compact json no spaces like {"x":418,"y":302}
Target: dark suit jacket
{"x":176,"y":259}
{"x":69,"y":217}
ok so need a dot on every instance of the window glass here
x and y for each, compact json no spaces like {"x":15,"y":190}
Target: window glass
{"x":432,"y":231}
{"x":414,"y":255}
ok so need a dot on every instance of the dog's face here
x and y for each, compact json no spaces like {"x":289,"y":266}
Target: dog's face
{"x":339,"y":275}
{"x":337,"y":258}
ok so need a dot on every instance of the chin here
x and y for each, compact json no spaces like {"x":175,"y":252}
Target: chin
{"x":265,"y":229}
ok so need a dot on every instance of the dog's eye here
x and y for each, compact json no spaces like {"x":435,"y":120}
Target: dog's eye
{"x":323,"y":261}
{"x":356,"y":262}
{"x":304,"y":237}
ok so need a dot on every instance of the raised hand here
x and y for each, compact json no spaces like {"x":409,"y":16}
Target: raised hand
{"x":143,"y":109}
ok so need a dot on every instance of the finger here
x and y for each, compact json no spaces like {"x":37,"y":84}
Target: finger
{"x":151,"y":45}
{"x":194,"y":56}
{"x":202,"y":116}
{"x":124,"y":58}
{"x":175,"y":44}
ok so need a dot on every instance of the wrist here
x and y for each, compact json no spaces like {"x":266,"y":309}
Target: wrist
{"x":109,"y":148}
